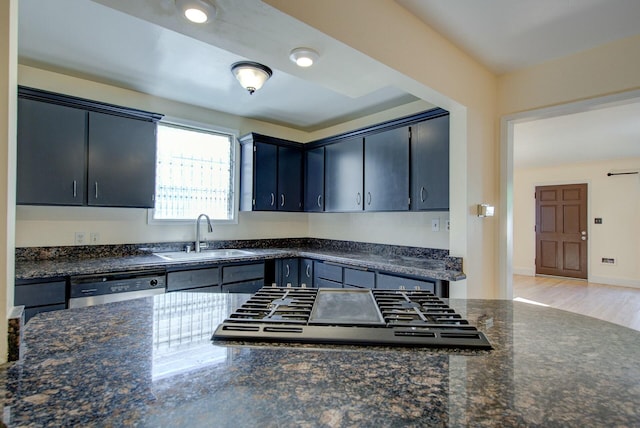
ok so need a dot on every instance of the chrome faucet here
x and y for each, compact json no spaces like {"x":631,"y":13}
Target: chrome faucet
{"x":209,"y":227}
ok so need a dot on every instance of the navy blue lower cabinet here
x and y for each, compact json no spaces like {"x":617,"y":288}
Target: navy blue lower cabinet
{"x":244,"y":278}
{"x":359,"y":278}
{"x":288,"y":272}
{"x":37,"y":296}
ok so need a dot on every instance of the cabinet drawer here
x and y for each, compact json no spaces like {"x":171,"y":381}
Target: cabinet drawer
{"x":40,"y":294}
{"x":327,"y":271}
{"x":398,"y":282}
{"x":243,"y":287}
{"x":321,"y":282}
{"x":192,"y":279}
{"x":242,"y":273}
{"x":359,"y":278}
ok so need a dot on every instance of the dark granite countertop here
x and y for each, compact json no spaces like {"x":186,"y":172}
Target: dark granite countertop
{"x":418,"y":266}
{"x":150,"y":363}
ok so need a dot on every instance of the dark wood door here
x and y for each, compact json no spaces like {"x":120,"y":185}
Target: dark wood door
{"x":52,"y":153}
{"x":289,"y":179}
{"x":344,"y":169}
{"x":430,"y":165}
{"x":386,"y":170}
{"x":122,"y":161}
{"x":314,"y":180}
{"x":561,"y":230}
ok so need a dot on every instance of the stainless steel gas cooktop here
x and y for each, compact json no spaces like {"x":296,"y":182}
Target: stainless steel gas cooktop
{"x":350,"y":316}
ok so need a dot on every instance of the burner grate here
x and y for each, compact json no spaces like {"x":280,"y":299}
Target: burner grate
{"x":276,"y":305}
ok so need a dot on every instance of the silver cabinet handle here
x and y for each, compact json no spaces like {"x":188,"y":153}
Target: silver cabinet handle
{"x":288,"y":271}
{"x":358,"y":198}
{"x":282,"y":200}
{"x":368,"y":198}
{"x":273,"y":199}
{"x":308,"y":271}
{"x":96,"y":190}
{"x":422,"y":189}
{"x":584,"y":235}
{"x":319,"y":201}
{"x":75,"y":188}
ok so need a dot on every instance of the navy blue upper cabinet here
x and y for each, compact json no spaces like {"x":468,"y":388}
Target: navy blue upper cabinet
{"x":72,"y":149}
{"x":51,"y":154}
{"x":430,"y":164}
{"x":265,"y":176}
{"x":344,"y":177}
{"x":386,"y":170}
{"x":271,"y":174}
{"x":289,"y":179}
{"x":122,"y":161}
{"x":314,"y":180}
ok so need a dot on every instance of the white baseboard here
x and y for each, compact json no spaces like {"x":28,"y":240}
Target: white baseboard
{"x":524,"y":271}
{"x":632,"y":283}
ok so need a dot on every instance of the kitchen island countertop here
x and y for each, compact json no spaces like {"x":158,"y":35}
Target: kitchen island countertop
{"x":150,"y":362}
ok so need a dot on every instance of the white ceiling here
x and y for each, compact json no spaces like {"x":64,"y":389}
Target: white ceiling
{"x":146,"y":46}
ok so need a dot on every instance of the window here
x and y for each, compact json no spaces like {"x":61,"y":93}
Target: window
{"x":194,"y":173}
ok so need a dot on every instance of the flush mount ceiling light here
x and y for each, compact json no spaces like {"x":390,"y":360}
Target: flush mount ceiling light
{"x":251,"y":75}
{"x":198,"y":11}
{"x":304,"y":57}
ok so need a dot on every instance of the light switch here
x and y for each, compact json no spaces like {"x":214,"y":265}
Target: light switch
{"x":435,"y":225}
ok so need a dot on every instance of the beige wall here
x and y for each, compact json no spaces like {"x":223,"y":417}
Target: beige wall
{"x":8,"y":106}
{"x":615,"y":199}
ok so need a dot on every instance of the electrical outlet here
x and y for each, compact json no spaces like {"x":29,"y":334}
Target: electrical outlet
{"x":81,"y":238}
{"x":94,"y":238}
{"x":447,"y":225}
{"x":435,"y":225}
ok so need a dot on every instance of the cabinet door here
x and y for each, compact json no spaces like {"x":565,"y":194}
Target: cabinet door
{"x":314,"y":180}
{"x":430,"y":165}
{"x":122,"y":161}
{"x":386,"y":170}
{"x":344,"y":175}
{"x":288,"y":272}
{"x":289,"y":179}
{"x":265,"y":177}
{"x":306,"y":272}
{"x":51,"y":154}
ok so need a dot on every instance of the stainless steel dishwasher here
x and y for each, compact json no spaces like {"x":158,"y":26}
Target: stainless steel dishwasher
{"x":89,"y":290}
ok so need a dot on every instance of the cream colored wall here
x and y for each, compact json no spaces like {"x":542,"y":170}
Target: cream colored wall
{"x":437,"y":71}
{"x":615,"y":199}
{"x":607,"y":69}
{"x":8,"y":109}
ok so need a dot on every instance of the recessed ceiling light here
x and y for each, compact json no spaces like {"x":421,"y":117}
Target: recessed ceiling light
{"x":198,"y":11}
{"x":304,"y":57}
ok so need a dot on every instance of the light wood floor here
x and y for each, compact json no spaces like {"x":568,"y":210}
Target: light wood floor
{"x":619,"y":305}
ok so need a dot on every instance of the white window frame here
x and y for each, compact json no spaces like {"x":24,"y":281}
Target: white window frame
{"x":235,"y":156}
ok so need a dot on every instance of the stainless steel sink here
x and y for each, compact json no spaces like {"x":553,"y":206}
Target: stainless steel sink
{"x":203,"y":255}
